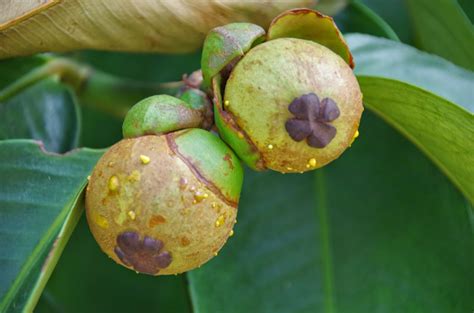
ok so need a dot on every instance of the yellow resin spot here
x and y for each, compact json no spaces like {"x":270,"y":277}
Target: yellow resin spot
{"x":356,"y":134}
{"x":270,"y":146}
{"x":132,"y":215}
{"x":289,"y":168}
{"x":199,"y":196}
{"x":145,"y":159}
{"x":312,"y":162}
{"x":114,"y":183}
{"x":89,"y":177}
{"x":231,"y":233}
{"x":215,"y":253}
{"x":101,"y":221}
{"x":226,"y":103}
{"x":220,"y":221}
{"x":134,"y":176}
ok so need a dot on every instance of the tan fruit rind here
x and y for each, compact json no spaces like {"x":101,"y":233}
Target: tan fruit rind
{"x":269,"y":78}
{"x":142,"y":186}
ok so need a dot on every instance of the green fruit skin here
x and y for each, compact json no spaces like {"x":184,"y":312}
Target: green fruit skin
{"x":174,"y":194}
{"x":268,"y":79}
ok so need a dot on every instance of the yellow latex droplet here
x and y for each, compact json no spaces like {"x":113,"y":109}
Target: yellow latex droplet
{"x":226,"y":103}
{"x":132,"y":215}
{"x":231,"y":233}
{"x":312,"y":162}
{"x":199,"y":196}
{"x":145,"y":159}
{"x":220,"y":221}
{"x":270,"y":147}
{"x":101,"y":221}
{"x":114,"y":183}
{"x":356,"y":134}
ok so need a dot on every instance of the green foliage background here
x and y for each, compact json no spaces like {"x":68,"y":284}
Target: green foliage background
{"x":386,"y":228}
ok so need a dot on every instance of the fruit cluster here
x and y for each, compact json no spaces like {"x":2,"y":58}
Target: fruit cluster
{"x":164,"y":199}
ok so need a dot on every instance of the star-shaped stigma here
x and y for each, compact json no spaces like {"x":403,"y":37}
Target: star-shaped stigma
{"x":311,"y":121}
{"x":143,"y":255}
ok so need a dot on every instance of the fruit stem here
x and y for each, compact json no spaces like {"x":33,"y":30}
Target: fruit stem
{"x":108,"y":93}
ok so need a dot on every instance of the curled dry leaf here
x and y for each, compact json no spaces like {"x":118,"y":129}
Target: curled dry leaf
{"x":29,"y":27}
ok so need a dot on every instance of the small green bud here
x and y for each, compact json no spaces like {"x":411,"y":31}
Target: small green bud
{"x":163,"y":114}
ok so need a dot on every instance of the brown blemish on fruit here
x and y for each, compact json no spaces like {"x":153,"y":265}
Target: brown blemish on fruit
{"x":228,"y":159}
{"x":193,"y":254}
{"x":144,"y":255}
{"x":185,"y":241}
{"x":156,"y":220}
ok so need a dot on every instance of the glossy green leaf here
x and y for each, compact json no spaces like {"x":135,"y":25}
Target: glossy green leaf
{"x":380,"y":229}
{"x":468,"y":8}
{"x":385,"y":58}
{"x":395,"y":13}
{"x":441,"y":27}
{"x":46,"y":111}
{"x":441,"y":129}
{"x":357,"y":17}
{"x":86,"y":280}
{"x":35,"y":225}
{"x":13,"y":69}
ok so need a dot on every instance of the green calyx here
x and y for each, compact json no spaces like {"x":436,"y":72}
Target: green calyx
{"x":231,"y":133}
{"x":162,"y":114}
{"x":310,"y":25}
{"x":212,"y":161}
{"x":225,"y":44}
